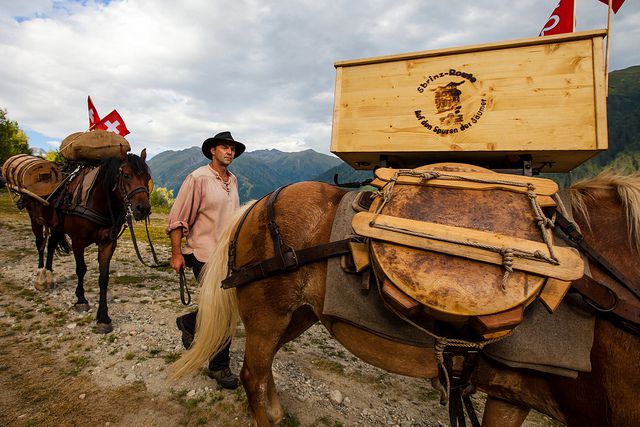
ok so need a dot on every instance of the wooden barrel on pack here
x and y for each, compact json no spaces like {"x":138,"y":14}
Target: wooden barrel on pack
{"x":92,"y":146}
{"x":31,"y":174}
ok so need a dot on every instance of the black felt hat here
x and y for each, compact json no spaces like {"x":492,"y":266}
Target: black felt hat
{"x":222,"y":138}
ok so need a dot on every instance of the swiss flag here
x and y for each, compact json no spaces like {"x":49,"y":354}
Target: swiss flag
{"x":112,"y":122}
{"x":93,"y":113}
{"x":615,"y":4}
{"x":562,"y":19}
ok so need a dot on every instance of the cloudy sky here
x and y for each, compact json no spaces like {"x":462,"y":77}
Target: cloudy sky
{"x":180,"y":71}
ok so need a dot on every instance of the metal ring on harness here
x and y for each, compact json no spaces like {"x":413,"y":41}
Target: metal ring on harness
{"x":597,"y":307}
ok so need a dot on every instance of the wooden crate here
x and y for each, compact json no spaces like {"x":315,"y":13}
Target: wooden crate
{"x":491,"y":104}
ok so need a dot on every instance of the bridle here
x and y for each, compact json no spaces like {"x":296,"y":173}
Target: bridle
{"x":127,"y":196}
{"x":129,"y":217}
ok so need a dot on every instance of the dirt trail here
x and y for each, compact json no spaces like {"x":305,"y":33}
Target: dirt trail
{"x":56,"y":371}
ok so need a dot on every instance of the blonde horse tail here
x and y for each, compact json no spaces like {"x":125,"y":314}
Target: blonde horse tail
{"x":217,"y":308}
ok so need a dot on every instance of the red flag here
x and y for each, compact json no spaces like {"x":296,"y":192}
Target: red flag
{"x":562,"y":19}
{"x":112,"y":122}
{"x":93,"y":113}
{"x":615,"y":4}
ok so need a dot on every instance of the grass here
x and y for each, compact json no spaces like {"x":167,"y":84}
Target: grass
{"x":127,"y":279}
{"x":157,"y":225}
{"x":78,"y":364}
{"x":169,"y":358}
{"x":329,"y":365}
{"x":289,"y":420}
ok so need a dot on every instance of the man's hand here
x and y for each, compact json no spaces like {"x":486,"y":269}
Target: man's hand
{"x":177,"y":262}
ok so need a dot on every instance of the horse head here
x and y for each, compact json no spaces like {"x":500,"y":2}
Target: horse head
{"x":134,"y":183}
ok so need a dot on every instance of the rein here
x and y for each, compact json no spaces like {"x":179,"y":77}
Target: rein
{"x":126,"y":197}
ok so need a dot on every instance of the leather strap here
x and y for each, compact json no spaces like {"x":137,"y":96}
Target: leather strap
{"x":605,"y":300}
{"x":232,"y":245}
{"x":286,"y":258}
{"x":287,"y":261}
{"x":577,"y":240}
{"x":183,"y":288}
{"x":285,"y":254}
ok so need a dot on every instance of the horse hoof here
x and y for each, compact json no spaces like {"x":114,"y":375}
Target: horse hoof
{"x":49,"y":282}
{"x":40,"y":280}
{"x":81,"y":308}
{"x":104,"y":328}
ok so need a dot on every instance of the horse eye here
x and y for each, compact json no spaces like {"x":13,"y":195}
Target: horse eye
{"x":127,"y":176}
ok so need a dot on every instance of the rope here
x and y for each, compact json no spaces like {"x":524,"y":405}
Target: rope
{"x":441,"y":343}
{"x":507,"y":263}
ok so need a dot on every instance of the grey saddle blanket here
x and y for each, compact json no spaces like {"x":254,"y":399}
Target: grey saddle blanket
{"x":558,"y":343}
{"x":344,"y":299}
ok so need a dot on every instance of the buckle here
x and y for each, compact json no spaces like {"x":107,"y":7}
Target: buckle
{"x":289,"y":259}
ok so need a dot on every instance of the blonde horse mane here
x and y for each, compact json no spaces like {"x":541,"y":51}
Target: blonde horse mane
{"x":627,"y":187}
{"x":217,"y":308}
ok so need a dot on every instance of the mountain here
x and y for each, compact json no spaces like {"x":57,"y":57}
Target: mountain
{"x":346,"y":174}
{"x":258,"y":172}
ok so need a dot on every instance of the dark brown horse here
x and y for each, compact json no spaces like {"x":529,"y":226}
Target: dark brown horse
{"x":121,"y":189}
{"x":280,"y":308}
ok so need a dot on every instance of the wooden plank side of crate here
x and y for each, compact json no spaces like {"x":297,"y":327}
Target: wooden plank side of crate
{"x":521,"y":98}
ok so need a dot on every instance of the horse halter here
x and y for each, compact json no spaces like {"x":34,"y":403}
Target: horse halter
{"x":127,"y":196}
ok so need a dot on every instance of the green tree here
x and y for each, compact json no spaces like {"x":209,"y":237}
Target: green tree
{"x":54,"y":156}
{"x":161,"y":198}
{"x":13,"y":140}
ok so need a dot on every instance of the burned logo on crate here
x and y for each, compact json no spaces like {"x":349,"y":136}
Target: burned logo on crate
{"x":451,"y":104}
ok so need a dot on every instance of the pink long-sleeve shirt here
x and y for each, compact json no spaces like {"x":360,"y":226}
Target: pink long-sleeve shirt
{"x":203,"y":209}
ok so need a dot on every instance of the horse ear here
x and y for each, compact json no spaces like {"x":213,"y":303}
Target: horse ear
{"x":123,"y":153}
{"x":143,"y":154}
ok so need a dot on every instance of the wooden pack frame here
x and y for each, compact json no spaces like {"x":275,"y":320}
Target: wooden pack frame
{"x":491,"y":104}
{"x":489,"y":312}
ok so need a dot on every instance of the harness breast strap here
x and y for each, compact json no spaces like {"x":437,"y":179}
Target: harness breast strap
{"x":286,"y":258}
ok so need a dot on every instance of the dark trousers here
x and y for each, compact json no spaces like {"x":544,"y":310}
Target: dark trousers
{"x":221,"y":359}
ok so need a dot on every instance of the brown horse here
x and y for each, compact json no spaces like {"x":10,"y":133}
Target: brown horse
{"x":121,"y":189}
{"x":280,"y":308}
{"x":607,"y":209}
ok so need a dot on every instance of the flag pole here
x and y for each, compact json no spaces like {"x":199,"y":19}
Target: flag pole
{"x":606,"y":63}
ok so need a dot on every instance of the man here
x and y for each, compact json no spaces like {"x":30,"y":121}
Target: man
{"x":205,"y":204}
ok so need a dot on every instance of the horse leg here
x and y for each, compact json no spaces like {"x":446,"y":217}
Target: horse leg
{"x":265,"y":335}
{"x":81,"y":268}
{"x":257,"y":378}
{"x":54,"y":239}
{"x":105,"y":252}
{"x":37,"y":230}
{"x":303,"y":318}
{"x":498,"y":412}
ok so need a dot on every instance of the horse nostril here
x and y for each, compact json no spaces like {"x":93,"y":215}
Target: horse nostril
{"x":142,"y":210}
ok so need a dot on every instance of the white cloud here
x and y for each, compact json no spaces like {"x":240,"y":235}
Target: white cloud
{"x":179,"y":72}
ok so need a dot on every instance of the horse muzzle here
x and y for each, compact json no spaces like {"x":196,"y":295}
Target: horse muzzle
{"x":141,"y":210}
